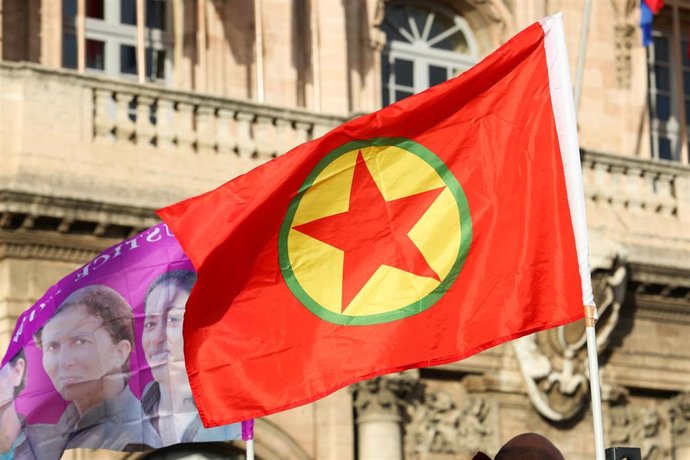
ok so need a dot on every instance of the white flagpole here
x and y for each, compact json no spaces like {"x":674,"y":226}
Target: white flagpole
{"x":566,"y":127}
{"x":590,"y":321}
{"x":250,"y":449}
{"x":248,"y":436}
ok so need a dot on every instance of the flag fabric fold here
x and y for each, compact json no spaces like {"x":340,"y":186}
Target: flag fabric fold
{"x":414,"y":236}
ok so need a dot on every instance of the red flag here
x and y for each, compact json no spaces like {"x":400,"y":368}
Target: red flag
{"x":414,"y":236}
{"x":654,"y":5}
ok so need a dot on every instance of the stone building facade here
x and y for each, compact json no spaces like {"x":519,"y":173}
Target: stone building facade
{"x":88,"y":153}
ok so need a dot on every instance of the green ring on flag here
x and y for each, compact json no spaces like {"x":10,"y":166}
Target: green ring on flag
{"x":416,"y":307}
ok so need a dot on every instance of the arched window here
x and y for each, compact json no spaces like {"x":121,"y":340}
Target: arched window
{"x":425,"y":45}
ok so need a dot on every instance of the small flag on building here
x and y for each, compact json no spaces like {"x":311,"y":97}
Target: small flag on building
{"x":648,"y":9}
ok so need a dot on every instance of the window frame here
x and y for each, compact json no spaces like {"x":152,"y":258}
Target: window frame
{"x":114,"y":34}
{"x":667,"y":25}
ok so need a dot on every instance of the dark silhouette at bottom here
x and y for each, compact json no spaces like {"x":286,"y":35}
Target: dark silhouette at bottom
{"x":527,"y":446}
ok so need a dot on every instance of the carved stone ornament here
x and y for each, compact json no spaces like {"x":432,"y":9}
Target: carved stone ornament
{"x":377,"y":37}
{"x":639,"y":427}
{"x":441,"y":425}
{"x":625,"y":28}
{"x":553,"y":363}
{"x":679,"y":413}
{"x":496,"y":12}
{"x":385,"y":397}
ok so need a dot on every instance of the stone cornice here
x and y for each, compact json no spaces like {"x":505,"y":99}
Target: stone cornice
{"x":661,"y":293}
{"x":26,"y":244}
{"x":661,"y":309}
{"x":665,"y":298}
{"x":64,"y":229}
{"x":665,"y":277}
{"x":26,"y":211}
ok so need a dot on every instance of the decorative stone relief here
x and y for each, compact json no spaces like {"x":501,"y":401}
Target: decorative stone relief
{"x":679,"y":413}
{"x":624,"y":32}
{"x":496,"y":12}
{"x":441,"y":425}
{"x":639,"y":427}
{"x":380,"y":409}
{"x":377,"y":37}
{"x":624,"y":35}
{"x":388,"y":395}
{"x":553,"y":363}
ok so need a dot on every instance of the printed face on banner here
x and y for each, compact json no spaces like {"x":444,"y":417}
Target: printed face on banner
{"x":80,"y":355}
{"x":98,"y":361}
{"x":162,"y":336}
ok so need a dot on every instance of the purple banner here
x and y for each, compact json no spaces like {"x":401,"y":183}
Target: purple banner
{"x":97,"y":362}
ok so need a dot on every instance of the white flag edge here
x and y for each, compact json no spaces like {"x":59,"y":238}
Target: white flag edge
{"x":566,"y":128}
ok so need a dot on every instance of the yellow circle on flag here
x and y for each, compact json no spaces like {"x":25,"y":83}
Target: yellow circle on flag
{"x":314,"y":269}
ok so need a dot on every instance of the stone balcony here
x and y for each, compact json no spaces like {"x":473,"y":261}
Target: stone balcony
{"x":641,"y":207}
{"x":90,"y":155}
{"x":91,"y":152}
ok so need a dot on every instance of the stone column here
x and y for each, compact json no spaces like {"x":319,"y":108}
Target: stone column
{"x":679,"y":413}
{"x":379,"y":405}
{"x":165,"y":124}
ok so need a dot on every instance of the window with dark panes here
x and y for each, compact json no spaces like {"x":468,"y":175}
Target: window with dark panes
{"x":154,"y":62}
{"x":128,"y":59}
{"x":155,"y":11}
{"x":111,"y":38}
{"x":95,"y":9}
{"x":128,"y":12}
{"x":95,"y":54}
{"x":669,"y":87}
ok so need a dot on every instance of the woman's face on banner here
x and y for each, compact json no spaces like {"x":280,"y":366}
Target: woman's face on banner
{"x":78,"y":352}
{"x":162,"y":337}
